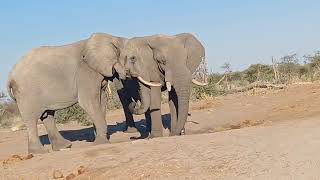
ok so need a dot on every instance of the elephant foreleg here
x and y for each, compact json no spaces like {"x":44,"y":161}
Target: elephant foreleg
{"x":155,"y":112}
{"x":56,"y":139}
{"x":93,"y":100}
{"x":31,"y":116}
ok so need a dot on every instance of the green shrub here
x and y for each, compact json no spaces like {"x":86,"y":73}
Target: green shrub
{"x":8,"y":111}
{"x":73,"y":113}
{"x":258,"y":72}
{"x":198,"y":92}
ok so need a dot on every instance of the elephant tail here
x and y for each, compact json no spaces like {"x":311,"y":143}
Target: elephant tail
{"x":9,"y":88}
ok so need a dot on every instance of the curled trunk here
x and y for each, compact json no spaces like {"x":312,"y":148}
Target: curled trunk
{"x":145,"y":94}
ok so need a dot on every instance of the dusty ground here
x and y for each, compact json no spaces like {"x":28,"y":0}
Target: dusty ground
{"x":270,"y":134}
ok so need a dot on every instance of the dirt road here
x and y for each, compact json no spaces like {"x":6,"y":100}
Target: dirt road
{"x":267,"y":135}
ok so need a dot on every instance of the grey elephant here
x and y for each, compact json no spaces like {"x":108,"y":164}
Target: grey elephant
{"x":51,"y":78}
{"x":169,"y":61}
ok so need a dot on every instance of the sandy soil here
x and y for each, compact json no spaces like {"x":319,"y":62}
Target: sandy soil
{"x":262,"y":134}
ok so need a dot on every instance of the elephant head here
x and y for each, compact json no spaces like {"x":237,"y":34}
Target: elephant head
{"x":133,"y":61}
{"x":174,"y":58}
{"x":101,"y":53}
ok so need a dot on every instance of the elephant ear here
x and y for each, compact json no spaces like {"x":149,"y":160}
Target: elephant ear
{"x":101,"y":53}
{"x":195,"y":50}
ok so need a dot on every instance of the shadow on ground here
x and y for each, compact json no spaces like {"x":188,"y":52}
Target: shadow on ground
{"x":87,"y":134}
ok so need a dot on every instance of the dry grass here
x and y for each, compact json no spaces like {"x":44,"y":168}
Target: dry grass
{"x":242,"y":124}
{"x":206,"y":102}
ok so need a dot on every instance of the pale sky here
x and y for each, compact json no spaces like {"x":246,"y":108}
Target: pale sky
{"x":240,"y":32}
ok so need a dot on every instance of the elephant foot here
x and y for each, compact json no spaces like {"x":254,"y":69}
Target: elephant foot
{"x":61,"y":144}
{"x":177,"y":133}
{"x":100,"y":140}
{"x":183,"y":131}
{"x":173,"y":133}
{"x":37,"y":149}
{"x":155,"y":134}
{"x":131,"y":130}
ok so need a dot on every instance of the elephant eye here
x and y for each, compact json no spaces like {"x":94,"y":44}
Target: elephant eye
{"x":133,"y":59}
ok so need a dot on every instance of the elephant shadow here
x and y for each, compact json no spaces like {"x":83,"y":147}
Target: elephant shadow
{"x":87,"y":134}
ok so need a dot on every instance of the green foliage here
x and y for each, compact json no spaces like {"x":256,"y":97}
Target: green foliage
{"x":236,"y":76}
{"x":210,"y":90}
{"x":113,"y":100}
{"x":258,"y":72}
{"x":73,"y":113}
{"x":289,"y":67}
{"x":8,"y":111}
{"x":312,"y":64}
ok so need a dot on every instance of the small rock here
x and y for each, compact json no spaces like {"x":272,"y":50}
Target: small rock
{"x":29,"y":156}
{"x":17,"y":157}
{"x":81,"y":170}
{"x":57,"y":174}
{"x":70,"y":176}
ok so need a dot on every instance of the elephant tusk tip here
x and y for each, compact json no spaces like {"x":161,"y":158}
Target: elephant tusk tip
{"x":149,"y":83}
{"x":169,"y":87}
{"x":199,"y":83}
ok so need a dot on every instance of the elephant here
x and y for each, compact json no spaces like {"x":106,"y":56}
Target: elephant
{"x":168,"y":62}
{"x":50,"y":78}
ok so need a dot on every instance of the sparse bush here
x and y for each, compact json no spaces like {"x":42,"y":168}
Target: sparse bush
{"x":258,"y":72}
{"x":289,"y":68}
{"x":210,"y":90}
{"x":9,"y":112}
{"x":113,"y":100}
{"x":312,"y":64}
{"x":73,"y":113}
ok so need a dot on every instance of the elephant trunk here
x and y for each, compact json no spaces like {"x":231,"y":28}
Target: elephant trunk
{"x":183,"y":94}
{"x":145,"y":94}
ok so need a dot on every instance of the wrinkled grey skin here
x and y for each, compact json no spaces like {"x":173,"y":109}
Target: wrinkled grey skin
{"x":161,"y":58}
{"x":51,"y":78}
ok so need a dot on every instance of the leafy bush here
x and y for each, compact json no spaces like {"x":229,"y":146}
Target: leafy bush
{"x":198,"y":92}
{"x":258,"y":72}
{"x":73,"y":113}
{"x":9,"y":112}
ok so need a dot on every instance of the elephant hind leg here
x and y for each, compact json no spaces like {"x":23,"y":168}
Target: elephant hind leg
{"x":31,"y":116}
{"x":56,"y":139}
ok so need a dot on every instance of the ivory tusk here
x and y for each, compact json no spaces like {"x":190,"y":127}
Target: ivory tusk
{"x":168,"y":84}
{"x":148,"y":83}
{"x":138,"y":103}
{"x":198,"y":83}
{"x":109,"y":90}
